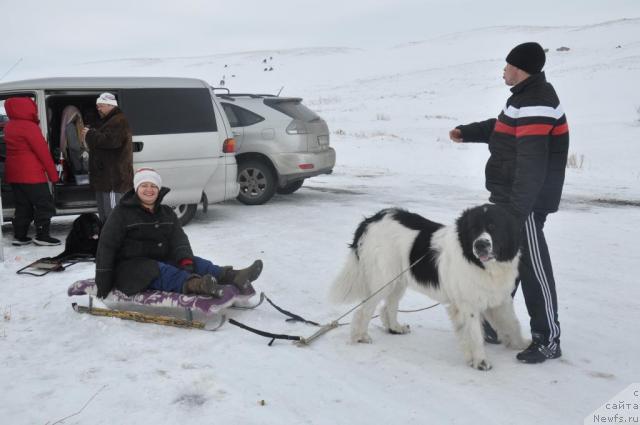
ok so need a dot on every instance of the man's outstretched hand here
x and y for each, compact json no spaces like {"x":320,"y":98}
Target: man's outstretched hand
{"x":456,"y":135}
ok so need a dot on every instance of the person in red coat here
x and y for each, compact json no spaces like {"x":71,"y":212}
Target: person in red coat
{"x":29,"y":166}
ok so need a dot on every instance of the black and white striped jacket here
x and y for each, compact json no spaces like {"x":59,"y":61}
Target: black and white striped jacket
{"x":529,"y":143}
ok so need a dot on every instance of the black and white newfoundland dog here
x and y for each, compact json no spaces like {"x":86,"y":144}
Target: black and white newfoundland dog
{"x":470,"y":267}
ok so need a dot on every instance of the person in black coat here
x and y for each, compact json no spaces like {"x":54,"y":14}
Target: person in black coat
{"x":143,"y":246}
{"x":529,"y":143}
{"x":111,"y":155}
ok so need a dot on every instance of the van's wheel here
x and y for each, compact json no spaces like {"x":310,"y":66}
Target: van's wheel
{"x":185,"y":212}
{"x":290,"y":188}
{"x":257,"y":182}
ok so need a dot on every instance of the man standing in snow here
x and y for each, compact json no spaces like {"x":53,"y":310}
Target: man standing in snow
{"x":528,"y":142}
{"x":110,"y":155}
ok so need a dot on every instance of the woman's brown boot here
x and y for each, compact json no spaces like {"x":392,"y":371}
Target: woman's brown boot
{"x":203,"y":285}
{"x":241,"y":278}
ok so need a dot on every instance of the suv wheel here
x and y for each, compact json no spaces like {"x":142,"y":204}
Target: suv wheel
{"x":185,"y":212}
{"x":257,"y":182}
{"x":290,"y":188}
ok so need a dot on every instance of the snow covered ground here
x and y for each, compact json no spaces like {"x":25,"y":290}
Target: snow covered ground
{"x":389,"y":109}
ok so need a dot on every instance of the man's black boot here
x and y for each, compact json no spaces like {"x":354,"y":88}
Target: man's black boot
{"x":490,"y":335}
{"x":538,"y":352}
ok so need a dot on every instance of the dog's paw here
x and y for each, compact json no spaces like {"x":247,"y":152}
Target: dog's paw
{"x":400,"y":330}
{"x":517,"y":343}
{"x":361,"y":339}
{"x":480,"y":364}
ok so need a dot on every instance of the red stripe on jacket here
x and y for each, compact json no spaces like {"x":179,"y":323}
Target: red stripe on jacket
{"x":561,"y":129}
{"x":531,"y":129}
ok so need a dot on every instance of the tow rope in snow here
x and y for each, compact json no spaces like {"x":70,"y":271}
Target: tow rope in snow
{"x":292,"y":318}
{"x":302,"y":341}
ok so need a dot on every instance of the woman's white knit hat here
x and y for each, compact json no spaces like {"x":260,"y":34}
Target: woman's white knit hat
{"x":146,"y":175}
{"x":107,"y":98}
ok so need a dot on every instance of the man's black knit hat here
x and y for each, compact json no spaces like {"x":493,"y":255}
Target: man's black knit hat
{"x":529,"y":57}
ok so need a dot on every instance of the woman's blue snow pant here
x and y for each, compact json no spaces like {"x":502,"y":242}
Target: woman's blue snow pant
{"x":172,"y":278}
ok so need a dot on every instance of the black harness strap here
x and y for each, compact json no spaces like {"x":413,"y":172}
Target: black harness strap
{"x":293,"y":317}
{"x":265,"y":334}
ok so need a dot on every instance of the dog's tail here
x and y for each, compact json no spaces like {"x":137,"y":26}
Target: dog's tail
{"x":350,"y":284}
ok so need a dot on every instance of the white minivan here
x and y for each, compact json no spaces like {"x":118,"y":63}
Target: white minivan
{"x":178,"y":128}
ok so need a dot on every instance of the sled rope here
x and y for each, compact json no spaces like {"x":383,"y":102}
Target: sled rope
{"x":382,"y":288}
{"x":334,"y":324}
{"x":292,"y":316}
{"x":302,"y":341}
{"x":264,"y":333}
{"x":273,"y":336}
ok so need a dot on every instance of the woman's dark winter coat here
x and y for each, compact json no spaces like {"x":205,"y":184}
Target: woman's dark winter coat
{"x":111,"y":154}
{"x":132,"y":242}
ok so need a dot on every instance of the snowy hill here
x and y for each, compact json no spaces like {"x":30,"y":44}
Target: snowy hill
{"x":389,"y":109}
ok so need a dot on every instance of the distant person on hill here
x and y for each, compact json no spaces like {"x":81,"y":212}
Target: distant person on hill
{"x":29,"y":167}
{"x":111,"y":155}
{"x":528,"y":145}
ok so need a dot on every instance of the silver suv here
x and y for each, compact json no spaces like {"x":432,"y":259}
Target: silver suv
{"x":279,"y":143}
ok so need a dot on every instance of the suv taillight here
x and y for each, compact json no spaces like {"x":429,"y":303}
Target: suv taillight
{"x":297,"y":127}
{"x":229,"y":145}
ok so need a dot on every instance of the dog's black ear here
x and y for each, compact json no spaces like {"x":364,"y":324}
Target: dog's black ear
{"x":83,"y":226}
{"x":465,"y":227}
{"x":77,"y":227}
{"x":97,"y":224}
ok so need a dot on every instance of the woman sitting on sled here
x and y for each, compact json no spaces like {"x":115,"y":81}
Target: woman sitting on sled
{"x":142,"y":246}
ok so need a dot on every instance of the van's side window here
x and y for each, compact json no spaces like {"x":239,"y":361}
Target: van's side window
{"x":168,"y":111}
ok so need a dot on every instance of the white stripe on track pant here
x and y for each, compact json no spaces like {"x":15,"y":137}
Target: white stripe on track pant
{"x":538,"y":284}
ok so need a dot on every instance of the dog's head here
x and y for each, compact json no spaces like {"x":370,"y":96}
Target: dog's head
{"x":87,"y":227}
{"x":488,"y":233}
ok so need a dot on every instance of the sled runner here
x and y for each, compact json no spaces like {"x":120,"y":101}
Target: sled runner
{"x":146,"y":318}
{"x":148,"y":306}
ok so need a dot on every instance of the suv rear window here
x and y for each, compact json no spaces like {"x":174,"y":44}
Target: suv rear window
{"x":168,"y":111}
{"x":240,"y":117}
{"x":292,"y":108}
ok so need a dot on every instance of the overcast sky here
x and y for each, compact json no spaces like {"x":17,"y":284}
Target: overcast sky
{"x":77,"y":31}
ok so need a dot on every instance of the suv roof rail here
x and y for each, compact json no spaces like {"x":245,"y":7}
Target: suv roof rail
{"x":271,"y":97}
{"x":233,"y":96}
